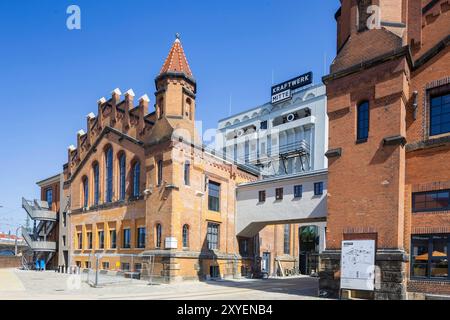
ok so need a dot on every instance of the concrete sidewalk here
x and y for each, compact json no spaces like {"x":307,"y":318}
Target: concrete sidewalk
{"x":49,"y":285}
{"x":10,"y":282}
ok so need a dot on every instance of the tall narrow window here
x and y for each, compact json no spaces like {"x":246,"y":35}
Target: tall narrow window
{"x":109,"y":174}
{"x":85,"y":192}
{"x":160,"y":172}
{"x":101,"y":239}
{"x":80,"y":240}
{"x":49,"y":197}
{"x":127,"y":238}
{"x":122,"y":173}
{"x":363,"y":121}
{"x":112,"y":239}
{"x":185,"y":236}
{"x":136,"y":179}
{"x":287,"y":239}
{"x":187,"y":173}
{"x":212,"y":236}
{"x":89,"y":239}
{"x":158,"y":235}
{"x":214,"y":196}
{"x":96,"y":185}
{"x":141,"y":238}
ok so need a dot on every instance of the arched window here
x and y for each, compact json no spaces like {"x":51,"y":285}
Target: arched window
{"x":363,"y":121}
{"x":96,"y":184}
{"x":122,"y":174}
{"x":363,"y":15}
{"x":85,"y":192}
{"x":185,"y":236}
{"x":109,"y":174}
{"x":158,"y":235}
{"x":136,"y":179}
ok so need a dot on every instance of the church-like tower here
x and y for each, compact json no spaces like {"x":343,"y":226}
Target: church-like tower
{"x":175,"y":95}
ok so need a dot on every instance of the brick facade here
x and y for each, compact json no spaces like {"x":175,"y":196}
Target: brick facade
{"x":163,"y":142}
{"x":371,"y":183}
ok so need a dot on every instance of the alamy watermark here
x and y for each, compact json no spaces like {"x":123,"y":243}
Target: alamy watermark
{"x":73,"y":22}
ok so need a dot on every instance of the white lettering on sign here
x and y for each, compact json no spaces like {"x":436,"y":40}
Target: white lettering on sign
{"x":281,"y":96}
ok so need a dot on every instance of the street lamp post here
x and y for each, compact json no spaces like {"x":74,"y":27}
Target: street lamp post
{"x":15,"y":246}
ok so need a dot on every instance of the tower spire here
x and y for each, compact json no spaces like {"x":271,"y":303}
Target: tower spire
{"x":176,"y":61}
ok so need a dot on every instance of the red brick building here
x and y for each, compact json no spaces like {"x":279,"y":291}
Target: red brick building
{"x":389,"y":143}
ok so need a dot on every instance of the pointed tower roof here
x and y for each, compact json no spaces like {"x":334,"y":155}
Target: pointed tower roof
{"x":176,"y":60}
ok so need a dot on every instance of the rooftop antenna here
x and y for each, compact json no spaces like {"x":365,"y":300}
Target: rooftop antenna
{"x":229,"y":106}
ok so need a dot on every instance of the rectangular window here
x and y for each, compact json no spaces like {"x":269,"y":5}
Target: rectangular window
{"x":49,"y":197}
{"x":89,"y":239}
{"x":105,"y":265}
{"x":431,"y":201}
{"x":244,"y":247}
{"x":279,"y":194}
{"x":160,"y":172}
{"x":287,"y":239}
{"x":263,"y":125}
{"x":212,"y":237}
{"x":298,"y":191}
{"x":439,"y":114}
{"x":112,"y":239}
{"x":101,"y":239}
{"x":187,"y":173}
{"x":141,"y":238}
{"x":262,"y":196}
{"x":80,"y":240}
{"x":363,"y":121}
{"x":214,"y":196}
{"x":138,"y":267}
{"x":318,"y":188}
{"x":126,"y":238}
{"x":125,"y":266}
{"x":429,"y":256}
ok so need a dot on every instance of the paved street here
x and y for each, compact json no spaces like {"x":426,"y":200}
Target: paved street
{"x":18,"y":284}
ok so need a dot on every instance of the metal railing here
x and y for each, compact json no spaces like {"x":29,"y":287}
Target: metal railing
{"x":38,"y":213}
{"x":37,"y":245}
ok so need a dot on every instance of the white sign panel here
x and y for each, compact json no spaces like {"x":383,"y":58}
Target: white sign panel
{"x":358,"y":265}
{"x":282,"y":96}
{"x":171,"y":243}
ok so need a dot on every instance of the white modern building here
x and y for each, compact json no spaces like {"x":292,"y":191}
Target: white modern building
{"x":286,"y":139}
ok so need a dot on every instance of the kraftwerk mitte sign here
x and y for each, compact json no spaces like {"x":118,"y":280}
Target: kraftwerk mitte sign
{"x":282,"y":91}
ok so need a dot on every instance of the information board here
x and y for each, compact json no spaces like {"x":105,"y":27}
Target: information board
{"x":358,"y":265}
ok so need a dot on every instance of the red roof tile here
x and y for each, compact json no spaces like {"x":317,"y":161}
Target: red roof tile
{"x":176,"y":60}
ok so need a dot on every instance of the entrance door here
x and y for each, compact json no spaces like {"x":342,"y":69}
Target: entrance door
{"x":309,"y":249}
{"x":265,"y":263}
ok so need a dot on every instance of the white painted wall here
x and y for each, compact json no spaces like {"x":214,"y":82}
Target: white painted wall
{"x":252,"y":216}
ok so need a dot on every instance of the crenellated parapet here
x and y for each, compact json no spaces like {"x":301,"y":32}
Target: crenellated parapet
{"x":117,"y":113}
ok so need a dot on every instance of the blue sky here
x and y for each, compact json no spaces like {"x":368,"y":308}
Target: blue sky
{"x":51,"y":77}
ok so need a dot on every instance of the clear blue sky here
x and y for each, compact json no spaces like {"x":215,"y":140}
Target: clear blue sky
{"x":51,"y":78}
